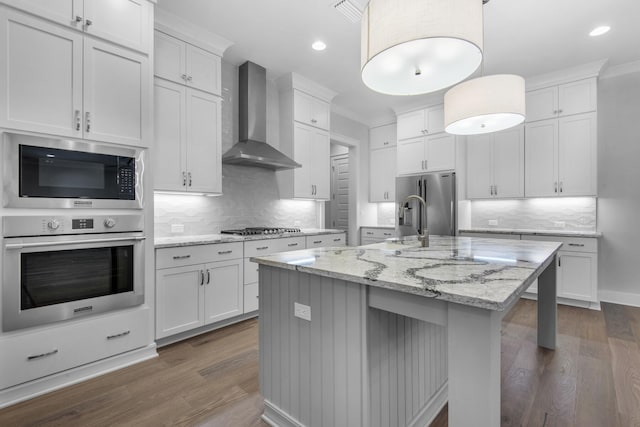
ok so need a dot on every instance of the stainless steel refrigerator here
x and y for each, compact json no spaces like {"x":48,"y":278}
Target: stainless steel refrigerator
{"x":439,"y":192}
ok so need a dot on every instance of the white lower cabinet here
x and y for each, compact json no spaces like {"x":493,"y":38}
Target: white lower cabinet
{"x":369,"y":235}
{"x":192,"y":293}
{"x":32,"y":355}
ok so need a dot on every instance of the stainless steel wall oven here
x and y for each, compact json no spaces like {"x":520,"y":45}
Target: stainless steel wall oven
{"x":55,"y":173}
{"x":62,"y":267}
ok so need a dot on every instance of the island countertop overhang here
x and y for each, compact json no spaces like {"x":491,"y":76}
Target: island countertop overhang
{"x":480,"y":272}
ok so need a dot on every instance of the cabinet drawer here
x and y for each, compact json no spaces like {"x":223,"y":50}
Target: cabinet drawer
{"x":37,"y":354}
{"x":490,"y":235}
{"x":574,"y":244}
{"x":377,"y":233}
{"x":251,"y":297}
{"x":197,"y":254}
{"x":271,"y":246}
{"x":325,"y":240}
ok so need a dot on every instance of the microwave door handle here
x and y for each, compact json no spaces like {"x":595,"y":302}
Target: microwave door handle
{"x":71,"y":242}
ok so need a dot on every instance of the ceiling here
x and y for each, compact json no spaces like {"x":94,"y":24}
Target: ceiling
{"x":525,"y":37}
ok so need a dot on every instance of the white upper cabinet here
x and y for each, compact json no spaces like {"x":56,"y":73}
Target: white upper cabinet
{"x":560,"y":157}
{"x":495,"y":164}
{"x":562,"y":100}
{"x":426,"y":154}
{"x":427,"y":121}
{"x":187,"y":139}
{"x":70,"y":85}
{"x":125,"y":22}
{"x":310,"y":110}
{"x":382,"y":136}
{"x":382,"y":175}
{"x":184,"y":63}
{"x":311,"y":150}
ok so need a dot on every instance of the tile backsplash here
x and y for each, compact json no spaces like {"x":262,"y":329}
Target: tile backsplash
{"x":250,"y":198}
{"x":560,"y":213}
{"x":386,"y":213}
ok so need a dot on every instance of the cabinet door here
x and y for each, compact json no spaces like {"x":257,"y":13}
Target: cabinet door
{"x":508,"y":163}
{"x":179,"y":301}
{"x":479,"y":166}
{"x":411,"y":155}
{"x":203,"y":70}
{"x":577,"y":153}
{"x":321,"y":164}
{"x":541,"y":162}
{"x":125,"y":22}
{"x":310,"y":110}
{"x":204,"y":167}
{"x":223,"y":290}
{"x":251,"y":298}
{"x":411,"y":124}
{"x":577,"y":276}
{"x":169,"y":149}
{"x":440,"y":152}
{"x":382,"y":175}
{"x":542,"y":104}
{"x":382,"y":137}
{"x":303,"y":148}
{"x":170,"y":58}
{"x":115,"y":94}
{"x":61,"y":11}
{"x":40,"y":76}
{"x":320,"y":113}
{"x":577,"y":97}
{"x":434,"y":119}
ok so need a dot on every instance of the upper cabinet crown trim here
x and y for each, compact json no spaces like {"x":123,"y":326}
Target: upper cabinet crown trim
{"x":296,"y":81}
{"x":177,"y":27}
{"x":567,"y":75}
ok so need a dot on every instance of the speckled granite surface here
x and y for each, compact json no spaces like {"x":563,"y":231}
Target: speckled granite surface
{"x":205,"y":239}
{"x":486,"y":273}
{"x":561,"y":233}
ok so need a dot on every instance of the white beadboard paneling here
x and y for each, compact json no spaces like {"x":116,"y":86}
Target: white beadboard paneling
{"x":577,"y":213}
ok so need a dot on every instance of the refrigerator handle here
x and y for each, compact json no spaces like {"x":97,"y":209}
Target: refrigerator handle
{"x":419,"y":210}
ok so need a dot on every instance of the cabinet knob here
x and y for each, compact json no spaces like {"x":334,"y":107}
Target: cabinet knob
{"x":78,"y":18}
{"x":78,"y":119}
{"x":189,"y":78}
{"x":314,"y":121}
{"x":88,"y":22}
{"x":87,"y":120}
{"x":560,"y":111}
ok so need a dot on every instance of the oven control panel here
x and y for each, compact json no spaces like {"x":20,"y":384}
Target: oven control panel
{"x":22,"y":226}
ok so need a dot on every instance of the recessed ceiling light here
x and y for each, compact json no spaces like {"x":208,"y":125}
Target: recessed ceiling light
{"x":598,"y":31}
{"x":319,"y":45}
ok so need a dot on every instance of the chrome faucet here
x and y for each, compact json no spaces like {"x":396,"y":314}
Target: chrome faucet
{"x":424,"y":237}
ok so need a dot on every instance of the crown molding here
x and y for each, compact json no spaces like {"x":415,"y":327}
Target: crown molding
{"x":177,"y":27}
{"x":566,"y":75}
{"x":621,"y":69}
{"x":296,"y":81}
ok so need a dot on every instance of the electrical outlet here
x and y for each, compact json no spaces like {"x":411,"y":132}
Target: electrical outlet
{"x":302,"y":311}
{"x":493,"y":222}
{"x":559,"y":224}
{"x":177,"y":228}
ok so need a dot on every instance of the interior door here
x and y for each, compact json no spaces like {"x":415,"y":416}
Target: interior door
{"x":340,"y":192}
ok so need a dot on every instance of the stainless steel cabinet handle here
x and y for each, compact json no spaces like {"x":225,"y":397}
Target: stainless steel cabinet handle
{"x":292,"y":244}
{"x":40,"y":356}
{"x":314,"y":121}
{"x":385,"y":143}
{"x":184,"y":179}
{"x":560,"y":111}
{"x":78,"y":120}
{"x":88,"y":22}
{"x":261,"y":248}
{"x":495,"y":190}
{"x":78,"y":18}
{"x":315,"y":242}
{"x":201,"y":277}
{"x":491,"y":189}
{"x":121,"y":334}
{"x":369,"y":233}
{"x":208,"y":276}
{"x":555,"y":187}
{"x":75,"y":242}
{"x":224,"y":252}
{"x":337,"y":240}
{"x":184,"y":77}
{"x":555,"y":111}
{"x":189,"y":175}
{"x":87,"y":120}
{"x":561,"y":186}
{"x":387,"y":234}
{"x":559,"y":261}
{"x":580,"y":245}
{"x":189,"y":78}
{"x":181,"y":256}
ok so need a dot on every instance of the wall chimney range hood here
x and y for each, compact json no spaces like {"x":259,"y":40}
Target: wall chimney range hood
{"x":252,"y":150}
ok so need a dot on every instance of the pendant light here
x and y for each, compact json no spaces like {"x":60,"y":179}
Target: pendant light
{"x":485,"y":104}
{"x":411,"y":47}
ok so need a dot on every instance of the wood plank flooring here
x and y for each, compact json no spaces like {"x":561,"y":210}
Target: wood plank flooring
{"x":592,"y":379}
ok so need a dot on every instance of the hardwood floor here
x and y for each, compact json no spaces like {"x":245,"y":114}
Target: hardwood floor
{"x":592,"y":379}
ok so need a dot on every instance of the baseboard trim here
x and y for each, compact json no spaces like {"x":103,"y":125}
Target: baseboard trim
{"x":161,"y":342}
{"x":430,"y":411}
{"x":623,"y":298}
{"x":31,"y":389}
{"x":276,"y":417}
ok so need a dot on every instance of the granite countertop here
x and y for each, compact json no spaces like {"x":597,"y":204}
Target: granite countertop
{"x":207,"y":239}
{"x":485,"y":273}
{"x":561,"y":233}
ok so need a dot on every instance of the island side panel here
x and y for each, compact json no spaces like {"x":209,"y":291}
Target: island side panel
{"x":311,"y":371}
{"x":408,"y":369}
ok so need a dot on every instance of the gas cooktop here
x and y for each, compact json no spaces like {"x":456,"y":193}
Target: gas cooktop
{"x":252,"y":231}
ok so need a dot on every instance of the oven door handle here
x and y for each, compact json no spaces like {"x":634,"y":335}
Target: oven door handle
{"x":71,"y":242}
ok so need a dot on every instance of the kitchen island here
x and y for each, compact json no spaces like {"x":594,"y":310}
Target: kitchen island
{"x":386,"y":334}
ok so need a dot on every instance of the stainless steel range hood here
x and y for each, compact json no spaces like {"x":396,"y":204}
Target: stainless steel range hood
{"x":252,"y":150}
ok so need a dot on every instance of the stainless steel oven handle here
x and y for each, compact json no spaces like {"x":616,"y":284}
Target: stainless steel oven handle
{"x":70,"y":242}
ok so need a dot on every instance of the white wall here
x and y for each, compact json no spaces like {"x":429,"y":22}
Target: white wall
{"x":619,"y":188}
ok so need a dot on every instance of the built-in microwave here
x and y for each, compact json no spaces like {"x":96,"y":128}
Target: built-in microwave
{"x":44,"y":172}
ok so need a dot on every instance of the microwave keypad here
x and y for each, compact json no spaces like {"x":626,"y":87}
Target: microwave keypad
{"x":127,"y":180}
